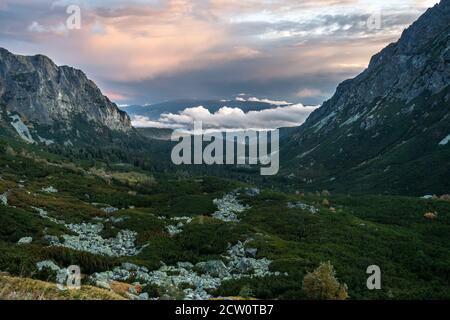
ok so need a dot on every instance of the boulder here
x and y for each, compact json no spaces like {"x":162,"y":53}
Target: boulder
{"x":47,"y":264}
{"x":110,"y":210}
{"x":252,"y":192}
{"x":25,"y":240}
{"x":173,"y":230}
{"x":214,"y":268}
{"x":245,"y":266}
{"x":144,"y":296}
{"x":50,"y":189}
{"x":4,"y":199}
{"x":102,"y":284}
{"x":185,"y":265}
{"x":251,"y":252}
{"x":133,"y":290}
{"x":51,"y":239}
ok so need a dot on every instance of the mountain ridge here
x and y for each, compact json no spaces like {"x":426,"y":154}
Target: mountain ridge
{"x":56,"y":98}
{"x":382,"y":129}
{"x":427,"y":26}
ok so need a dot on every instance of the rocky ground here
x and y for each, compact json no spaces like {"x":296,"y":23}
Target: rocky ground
{"x":87,"y":238}
{"x":228,"y":208}
{"x":189,"y":281}
{"x":196,"y":281}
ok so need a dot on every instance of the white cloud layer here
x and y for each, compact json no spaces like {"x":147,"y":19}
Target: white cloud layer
{"x":231,"y":118}
{"x":254,"y":99}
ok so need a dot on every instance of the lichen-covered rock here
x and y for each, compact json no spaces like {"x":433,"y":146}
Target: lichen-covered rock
{"x":25,"y":240}
{"x":215,"y":268}
{"x":88,"y":239}
{"x":50,"y":189}
{"x":110,"y":210}
{"x":4,"y":199}
{"x":53,"y":240}
{"x":47,"y":264}
{"x":228,"y":208}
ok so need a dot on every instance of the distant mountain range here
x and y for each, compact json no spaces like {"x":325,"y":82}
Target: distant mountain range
{"x":388,"y":129}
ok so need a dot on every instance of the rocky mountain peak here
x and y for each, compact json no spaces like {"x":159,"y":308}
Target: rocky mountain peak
{"x":418,"y":62}
{"x":45,"y":94}
{"x":395,"y":111}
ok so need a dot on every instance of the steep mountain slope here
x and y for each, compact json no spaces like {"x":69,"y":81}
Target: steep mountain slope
{"x":385,"y":130}
{"x":45,"y":102}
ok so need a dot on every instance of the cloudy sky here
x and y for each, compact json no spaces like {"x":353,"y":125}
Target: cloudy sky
{"x":156,"y":50}
{"x":227,"y":118}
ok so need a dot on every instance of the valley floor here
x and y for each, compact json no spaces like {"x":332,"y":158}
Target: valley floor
{"x":175,"y":236}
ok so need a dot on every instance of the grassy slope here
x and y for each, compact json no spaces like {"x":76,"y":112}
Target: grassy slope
{"x":13,"y":288}
{"x":390,"y":232}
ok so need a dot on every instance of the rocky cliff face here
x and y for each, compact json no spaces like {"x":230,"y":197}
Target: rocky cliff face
{"x":419,"y":61}
{"x":44,"y":94}
{"x":385,"y":127}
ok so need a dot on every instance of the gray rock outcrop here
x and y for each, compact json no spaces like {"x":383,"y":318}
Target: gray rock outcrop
{"x":55,"y":96}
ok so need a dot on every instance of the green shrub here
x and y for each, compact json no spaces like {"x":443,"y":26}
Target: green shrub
{"x":321,"y":284}
{"x":88,"y":262}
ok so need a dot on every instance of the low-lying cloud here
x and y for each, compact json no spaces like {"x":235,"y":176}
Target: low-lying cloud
{"x":254,"y":99}
{"x":230,"y":118}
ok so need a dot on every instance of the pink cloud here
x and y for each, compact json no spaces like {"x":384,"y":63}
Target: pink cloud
{"x":254,"y":42}
{"x":116,"y":96}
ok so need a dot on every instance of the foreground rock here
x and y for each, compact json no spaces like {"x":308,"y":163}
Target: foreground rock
{"x":88,"y":238}
{"x":25,"y":240}
{"x":194,"y":282}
